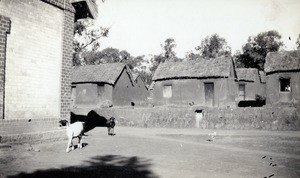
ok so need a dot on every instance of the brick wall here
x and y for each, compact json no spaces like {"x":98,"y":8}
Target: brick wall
{"x":33,"y":59}
{"x":4,"y":30}
{"x":38,"y":59}
{"x":68,"y":36}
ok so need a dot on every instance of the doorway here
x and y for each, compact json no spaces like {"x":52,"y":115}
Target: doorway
{"x":209,"y":94}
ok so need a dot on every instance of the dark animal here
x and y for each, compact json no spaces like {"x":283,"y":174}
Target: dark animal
{"x":110,"y":126}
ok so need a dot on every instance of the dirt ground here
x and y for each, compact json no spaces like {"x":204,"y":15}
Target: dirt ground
{"x":170,"y":153}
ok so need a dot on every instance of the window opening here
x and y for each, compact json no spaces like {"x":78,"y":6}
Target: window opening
{"x":285,"y":85}
{"x":100,"y":89}
{"x":167,"y":91}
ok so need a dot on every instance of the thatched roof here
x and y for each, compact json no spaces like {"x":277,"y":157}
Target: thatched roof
{"x":106,"y":73}
{"x":282,"y":61}
{"x":247,"y":74}
{"x":262,"y":76}
{"x":199,"y":68}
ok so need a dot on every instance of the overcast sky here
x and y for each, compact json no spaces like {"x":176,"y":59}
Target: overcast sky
{"x":140,"y":26}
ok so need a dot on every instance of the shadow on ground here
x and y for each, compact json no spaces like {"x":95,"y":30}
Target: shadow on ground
{"x":92,"y":120}
{"x":99,"y":166}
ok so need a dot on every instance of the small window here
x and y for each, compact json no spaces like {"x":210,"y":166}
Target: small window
{"x":73,"y":92}
{"x":167,"y":91}
{"x":242,"y":91}
{"x":285,"y":85}
{"x":100,"y":89}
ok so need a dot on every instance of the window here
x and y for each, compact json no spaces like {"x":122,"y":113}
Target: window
{"x":167,"y":91}
{"x":73,"y":92}
{"x":285,"y":85}
{"x":100,"y":89}
{"x":242,"y":91}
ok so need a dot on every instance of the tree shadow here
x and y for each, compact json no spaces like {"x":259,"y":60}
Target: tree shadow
{"x":100,"y":166}
{"x":92,"y":120}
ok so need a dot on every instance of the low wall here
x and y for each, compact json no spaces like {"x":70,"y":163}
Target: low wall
{"x":264,"y":118}
{"x":30,"y":130}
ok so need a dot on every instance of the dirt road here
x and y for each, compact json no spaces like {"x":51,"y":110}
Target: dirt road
{"x":170,"y":153}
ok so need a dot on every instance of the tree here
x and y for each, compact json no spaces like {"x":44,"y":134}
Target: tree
{"x":236,"y":57}
{"x":168,"y":55}
{"x":142,"y":65}
{"x":256,"y":49}
{"x":168,"y":47}
{"x":156,"y":60}
{"x":213,"y":46}
{"x":108,"y":55}
{"x":192,"y":56}
{"x":87,"y":38}
{"x":298,"y":42}
{"x":146,"y":77}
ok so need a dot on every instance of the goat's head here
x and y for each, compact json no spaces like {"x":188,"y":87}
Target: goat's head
{"x":63,"y":123}
{"x":112,"y":119}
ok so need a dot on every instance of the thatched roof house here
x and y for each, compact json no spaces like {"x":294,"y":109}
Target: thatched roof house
{"x":282,"y":61}
{"x":106,"y":73}
{"x":249,"y":84}
{"x":208,"y":82}
{"x":113,"y":82}
{"x":200,"y":68}
{"x":283,"y":77}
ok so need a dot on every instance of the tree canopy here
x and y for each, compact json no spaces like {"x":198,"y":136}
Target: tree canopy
{"x":192,"y":56}
{"x":87,"y":38}
{"x":168,"y":48}
{"x":109,"y":55}
{"x":213,"y":46}
{"x":256,"y":49}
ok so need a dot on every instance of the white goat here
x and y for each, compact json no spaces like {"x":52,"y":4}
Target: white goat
{"x":74,"y":130}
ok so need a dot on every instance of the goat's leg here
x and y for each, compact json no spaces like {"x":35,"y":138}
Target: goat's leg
{"x":80,"y":142}
{"x":108,"y":130}
{"x":112,"y":132}
{"x":73,"y":148}
{"x":69,"y":144}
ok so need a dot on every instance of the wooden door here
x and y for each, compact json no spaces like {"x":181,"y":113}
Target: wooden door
{"x":209,"y":94}
{"x":242,"y":92}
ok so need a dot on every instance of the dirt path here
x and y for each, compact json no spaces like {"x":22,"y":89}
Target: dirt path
{"x":136,"y":152}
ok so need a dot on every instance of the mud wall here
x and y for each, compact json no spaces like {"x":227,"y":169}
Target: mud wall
{"x":185,"y":91}
{"x":274,"y":96}
{"x":266,"y":118}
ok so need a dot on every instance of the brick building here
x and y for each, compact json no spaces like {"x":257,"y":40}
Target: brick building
{"x":36,"y":39}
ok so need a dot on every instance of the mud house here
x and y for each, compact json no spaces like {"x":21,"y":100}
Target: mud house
{"x":251,"y":84}
{"x":36,"y":46}
{"x":94,"y":84}
{"x":141,"y":91}
{"x":283,"y":77}
{"x":206,"y":82}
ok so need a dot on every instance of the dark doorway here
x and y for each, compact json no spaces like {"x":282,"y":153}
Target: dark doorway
{"x":209,"y":94}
